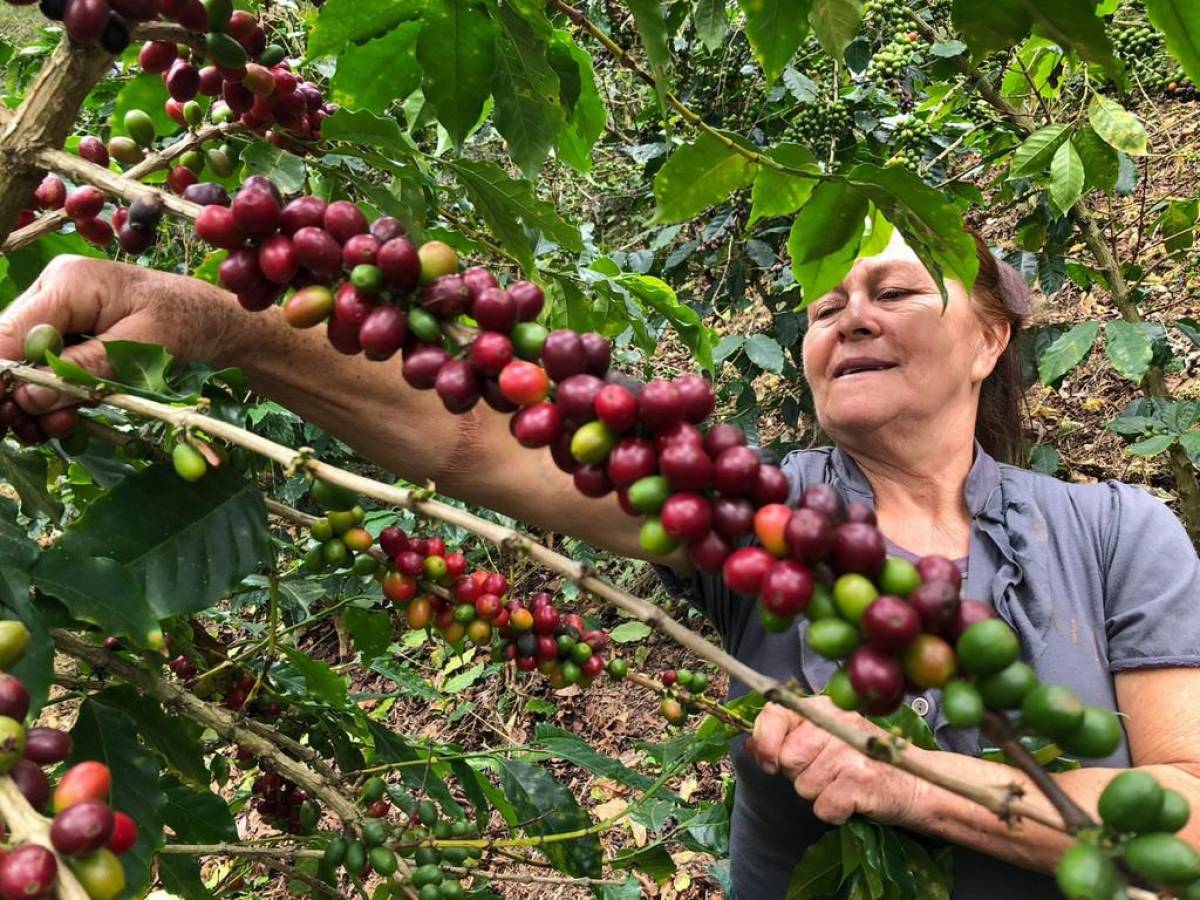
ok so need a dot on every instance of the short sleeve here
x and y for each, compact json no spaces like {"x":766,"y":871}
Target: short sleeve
{"x":1152,"y":596}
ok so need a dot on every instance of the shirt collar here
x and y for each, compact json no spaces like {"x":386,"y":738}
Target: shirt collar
{"x":982,"y":487}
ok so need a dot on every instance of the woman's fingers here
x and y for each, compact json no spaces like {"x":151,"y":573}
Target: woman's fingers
{"x":770,"y":731}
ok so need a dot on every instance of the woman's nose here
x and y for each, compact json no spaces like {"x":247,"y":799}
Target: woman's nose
{"x":858,"y":318}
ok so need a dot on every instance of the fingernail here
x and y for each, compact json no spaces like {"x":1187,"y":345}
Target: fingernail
{"x":36,"y":398}
{"x":770,"y":768}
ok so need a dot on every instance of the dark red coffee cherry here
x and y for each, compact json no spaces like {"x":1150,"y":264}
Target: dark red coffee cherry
{"x":457,"y":384}
{"x":809,"y":535}
{"x":660,"y":405}
{"x":277,"y":259}
{"x":206,"y":193}
{"x":28,"y":871}
{"x":858,"y":548}
{"x":722,"y":437}
{"x":733,"y":517}
{"x":215,"y":225}
{"x":939,"y":568}
{"x":539,"y":425}
{"x":421,"y":366}
{"x":890,"y":624}
{"x":317,"y":251}
{"x":876,"y":676}
{"x":303,"y":212}
{"x":256,"y":213}
{"x":383,"y":332}
{"x":399,"y":262}
{"x":85,"y":20}
{"x":938,"y":605}
{"x":32,"y":782}
{"x":562,"y":353}
{"x":82,"y":828}
{"x":47,"y":746}
{"x":528,"y":298}
{"x":343,"y":220}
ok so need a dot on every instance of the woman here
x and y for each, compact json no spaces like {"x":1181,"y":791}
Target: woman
{"x":917,"y":399}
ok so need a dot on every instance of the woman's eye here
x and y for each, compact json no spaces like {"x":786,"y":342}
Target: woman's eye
{"x":825,"y":311}
{"x":892,"y":294}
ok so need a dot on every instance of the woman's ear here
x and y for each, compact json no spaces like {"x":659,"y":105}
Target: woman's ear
{"x":993,"y":340}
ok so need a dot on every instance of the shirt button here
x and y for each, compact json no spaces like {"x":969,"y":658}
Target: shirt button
{"x":920,"y":706}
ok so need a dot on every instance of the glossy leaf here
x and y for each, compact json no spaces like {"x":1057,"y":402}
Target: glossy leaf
{"x":344,"y":22}
{"x":549,"y":808}
{"x":698,"y":175}
{"x":835,"y":22}
{"x":1179,"y":21}
{"x":764,"y":351}
{"x":1153,"y":446}
{"x":196,"y":816}
{"x":320,"y":680}
{"x":1100,"y":162}
{"x":647,"y":15}
{"x":25,"y":470}
{"x":184,"y":544}
{"x":509,"y":206}
{"x":1036,"y":151}
{"x":1118,"y":127}
{"x":283,"y":168}
{"x":457,"y":51}
{"x":108,"y":735}
{"x":825,"y":237}
{"x":1066,"y":176}
{"x":778,"y":193}
{"x":1066,"y":352}
{"x":775,"y":29}
{"x":139,"y":366}
{"x":1129,"y":348}
{"x":98,"y":590}
{"x":712,"y":23}
{"x":174,"y":738}
{"x":588,"y":116}
{"x":380,"y":72}
{"x":528,"y":110}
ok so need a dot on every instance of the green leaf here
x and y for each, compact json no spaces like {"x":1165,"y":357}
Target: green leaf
{"x":1100,"y":162}
{"x":1066,"y":352}
{"x":196,"y":816}
{"x":1036,"y":151}
{"x":546,"y":807}
{"x":25,"y":469}
{"x":371,"y":631}
{"x":699,"y":175}
{"x":647,"y":14}
{"x":775,"y":28}
{"x":148,"y":93}
{"x":362,"y":126}
{"x":1129,"y":348}
{"x":1066,"y":176}
{"x":658,"y":295}
{"x":947,"y":49}
{"x":17,"y":556}
{"x":98,"y":590}
{"x":509,"y":206}
{"x":108,"y":735}
{"x":344,"y":22}
{"x":712,"y":23}
{"x":320,"y":680}
{"x":1190,"y":328}
{"x":139,"y":366}
{"x":1119,"y":128}
{"x":185,"y":544}
{"x":1044,"y":459}
{"x":457,"y":50}
{"x":70,"y":372}
{"x":391,"y":747}
{"x":1177,"y":224}
{"x":588,"y":116}
{"x":630,"y":632}
{"x":463,"y":680}
{"x":174,"y":738}
{"x":379,"y":72}
{"x":764,"y":351}
{"x":835,"y":22}
{"x":819,"y":872}
{"x":778,"y":193}
{"x":1179,"y":21}
{"x":930,"y":224}
{"x":995,"y":25}
{"x":570,"y":747}
{"x":285,"y":169}
{"x":528,"y":110}
{"x":1153,"y":446}
{"x":825,"y":237}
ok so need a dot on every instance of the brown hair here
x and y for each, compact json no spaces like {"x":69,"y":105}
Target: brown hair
{"x":1001,"y":295}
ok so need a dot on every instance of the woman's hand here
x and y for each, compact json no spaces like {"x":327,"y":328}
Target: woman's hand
{"x":839,"y":780}
{"x":113,"y":301}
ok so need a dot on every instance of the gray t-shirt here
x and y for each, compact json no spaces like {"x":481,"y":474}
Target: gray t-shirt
{"x":1095,"y":578}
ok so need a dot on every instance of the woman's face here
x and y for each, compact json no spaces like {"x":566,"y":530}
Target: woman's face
{"x":879,"y":349}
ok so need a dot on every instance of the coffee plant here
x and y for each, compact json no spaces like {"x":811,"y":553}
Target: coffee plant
{"x":383,"y":172}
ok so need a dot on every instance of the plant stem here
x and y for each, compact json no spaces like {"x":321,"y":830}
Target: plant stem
{"x":996,"y":797}
{"x":996,"y":727}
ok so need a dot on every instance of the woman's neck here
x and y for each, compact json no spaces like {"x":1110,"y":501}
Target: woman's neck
{"x":918,"y":488}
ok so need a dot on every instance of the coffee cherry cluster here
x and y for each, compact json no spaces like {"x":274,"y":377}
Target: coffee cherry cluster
{"x":339,"y":540}
{"x":420,"y":821}
{"x":1140,"y":47}
{"x":893,"y":60}
{"x":85,"y":830}
{"x":886,"y":15}
{"x":819,"y":124}
{"x":533,"y":635}
{"x":898,"y":627}
{"x":281,"y":802}
{"x":910,"y":138}
{"x":1141,"y":819}
{"x":676,"y":707}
